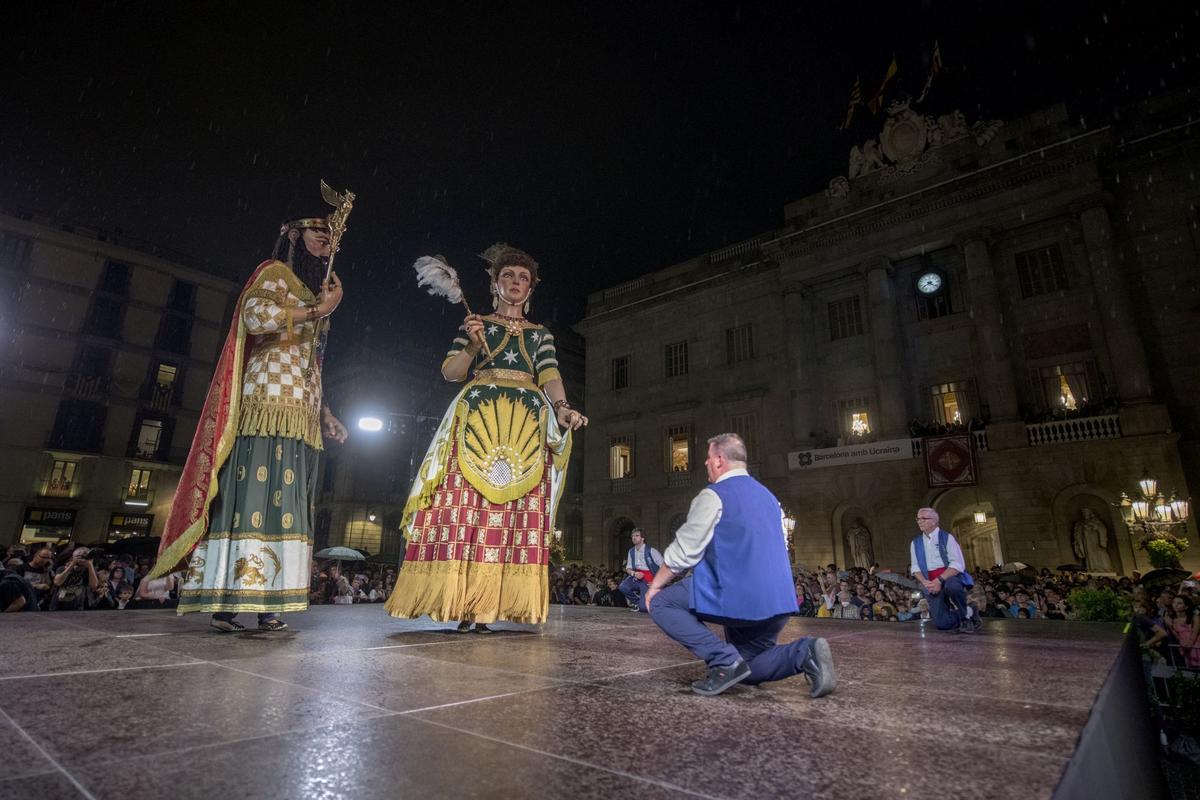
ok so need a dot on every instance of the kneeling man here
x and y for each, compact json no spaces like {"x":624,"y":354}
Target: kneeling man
{"x":733,"y":543}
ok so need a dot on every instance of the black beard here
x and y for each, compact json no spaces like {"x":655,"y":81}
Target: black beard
{"x":309,"y":268}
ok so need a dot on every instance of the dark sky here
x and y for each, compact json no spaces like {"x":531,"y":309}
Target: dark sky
{"x":608,"y":138}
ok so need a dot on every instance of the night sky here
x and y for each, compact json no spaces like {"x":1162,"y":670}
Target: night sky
{"x":609,"y":139}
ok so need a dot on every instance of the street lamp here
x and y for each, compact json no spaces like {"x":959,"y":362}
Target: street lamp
{"x":1152,"y":515}
{"x":372,"y":424}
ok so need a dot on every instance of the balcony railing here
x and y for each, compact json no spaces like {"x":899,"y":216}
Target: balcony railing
{"x":88,"y":387}
{"x":139,"y":498}
{"x":620,"y":485}
{"x":1081,"y":429}
{"x":160,"y":396}
{"x":56,"y":487}
{"x":981,"y":443}
{"x":681,"y":479}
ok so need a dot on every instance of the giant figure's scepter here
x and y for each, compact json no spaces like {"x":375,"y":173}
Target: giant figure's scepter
{"x":342,"y":204}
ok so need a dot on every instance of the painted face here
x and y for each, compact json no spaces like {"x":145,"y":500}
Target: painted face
{"x":514,"y":284}
{"x":316,"y":241}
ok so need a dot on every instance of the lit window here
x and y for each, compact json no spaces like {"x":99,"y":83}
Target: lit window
{"x":951,"y":402}
{"x":62,"y":478}
{"x":854,"y":418}
{"x":139,"y":483}
{"x":679,"y":448}
{"x":1068,"y":386}
{"x":149,"y":437}
{"x":620,"y":457}
{"x":166,"y":375}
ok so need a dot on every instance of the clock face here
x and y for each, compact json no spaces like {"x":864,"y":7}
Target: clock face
{"x":929,"y":283}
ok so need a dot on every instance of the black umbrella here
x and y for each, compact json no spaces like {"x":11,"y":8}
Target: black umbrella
{"x":899,"y":580}
{"x":1070,"y":568}
{"x":1167,"y":576}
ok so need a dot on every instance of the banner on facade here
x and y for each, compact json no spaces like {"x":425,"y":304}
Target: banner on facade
{"x":891,"y":450}
{"x":950,"y":461}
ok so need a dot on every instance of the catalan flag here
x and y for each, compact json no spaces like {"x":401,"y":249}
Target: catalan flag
{"x":855,"y":99}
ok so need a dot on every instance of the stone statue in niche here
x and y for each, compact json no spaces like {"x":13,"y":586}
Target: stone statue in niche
{"x":858,"y":539}
{"x":1090,"y":541}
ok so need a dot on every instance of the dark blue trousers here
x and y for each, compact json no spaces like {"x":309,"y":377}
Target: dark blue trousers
{"x":751,"y":641}
{"x":634,"y":590}
{"x":945,"y":617}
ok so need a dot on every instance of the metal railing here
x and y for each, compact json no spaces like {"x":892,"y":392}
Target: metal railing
{"x":680,"y":479}
{"x":1080,"y":429}
{"x":88,"y":387}
{"x":56,"y":487}
{"x":620,"y":485}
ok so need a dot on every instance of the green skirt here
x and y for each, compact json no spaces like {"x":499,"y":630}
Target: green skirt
{"x":257,"y":553}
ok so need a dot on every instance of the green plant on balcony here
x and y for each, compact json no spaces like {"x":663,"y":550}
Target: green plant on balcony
{"x":1164,"y":548}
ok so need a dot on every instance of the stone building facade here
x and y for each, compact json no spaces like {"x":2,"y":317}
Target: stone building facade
{"x":106,"y":355}
{"x":1035,"y":282}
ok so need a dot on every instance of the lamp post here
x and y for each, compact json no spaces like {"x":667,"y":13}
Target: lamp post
{"x":1152,"y":513}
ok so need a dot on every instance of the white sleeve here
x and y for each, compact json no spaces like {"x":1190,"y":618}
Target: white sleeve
{"x":954,"y":553}
{"x":658,"y":558}
{"x":913,"y":567}
{"x":629,"y":558}
{"x":693,"y":536}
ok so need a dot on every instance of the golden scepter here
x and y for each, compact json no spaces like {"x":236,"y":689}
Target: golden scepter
{"x":342,"y":204}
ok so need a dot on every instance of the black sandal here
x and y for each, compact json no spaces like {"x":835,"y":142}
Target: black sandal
{"x":227,"y":625}
{"x":272,"y":625}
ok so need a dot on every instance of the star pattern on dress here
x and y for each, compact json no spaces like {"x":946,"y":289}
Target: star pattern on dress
{"x":510,"y":357}
{"x":491,"y":386}
{"x":491,"y":329}
{"x":536,"y":336}
{"x":521,"y":389}
{"x":474,"y":393}
{"x":536,"y":403}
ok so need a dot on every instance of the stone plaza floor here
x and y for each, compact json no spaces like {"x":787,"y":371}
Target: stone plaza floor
{"x":350,"y":703}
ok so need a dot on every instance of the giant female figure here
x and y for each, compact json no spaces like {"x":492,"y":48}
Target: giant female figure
{"x":481,"y":512}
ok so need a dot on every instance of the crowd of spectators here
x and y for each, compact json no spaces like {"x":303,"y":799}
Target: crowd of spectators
{"x":586,"y":585}
{"x":72,"y":577}
{"x":75,"y":578}
{"x":871,"y":594}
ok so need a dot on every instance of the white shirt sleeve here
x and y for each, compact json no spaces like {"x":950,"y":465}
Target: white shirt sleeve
{"x":954,"y":553}
{"x":657,"y":556}
{"x":913,"y":567}
{"x":696,"y":532}
{"x":629,"y":559}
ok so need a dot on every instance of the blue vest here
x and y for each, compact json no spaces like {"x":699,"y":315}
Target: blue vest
{"x":745,"y":574}
{"x":943,"y":551}
{"x":648,"y":551}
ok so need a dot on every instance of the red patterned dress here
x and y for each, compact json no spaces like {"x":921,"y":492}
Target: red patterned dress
{"x":481,"y":512}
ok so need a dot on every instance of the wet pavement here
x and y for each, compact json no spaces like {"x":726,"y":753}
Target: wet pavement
{"x":595,"y":703}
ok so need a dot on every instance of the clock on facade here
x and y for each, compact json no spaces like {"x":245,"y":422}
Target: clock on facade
{"x":929,"y":282}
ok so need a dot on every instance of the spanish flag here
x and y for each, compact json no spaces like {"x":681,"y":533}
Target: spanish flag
{"x":876,"y":102}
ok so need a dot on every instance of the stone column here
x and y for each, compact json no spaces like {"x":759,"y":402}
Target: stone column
{"x":891,"y":371}
{"x":805,"y":376}
{"x":996,"y":384}
{"x":1125,"y":345}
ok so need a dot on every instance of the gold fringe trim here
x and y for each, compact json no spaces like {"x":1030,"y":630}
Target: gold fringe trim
{"x":464,"y":590}
{"x":289,"y":422}
{"x":238,"y":608}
